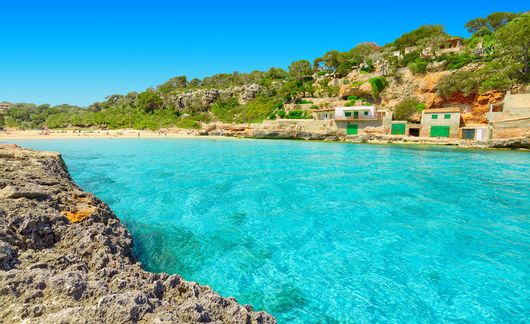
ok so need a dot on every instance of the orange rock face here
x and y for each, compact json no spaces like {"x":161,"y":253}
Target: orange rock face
{"x":478,"y":104}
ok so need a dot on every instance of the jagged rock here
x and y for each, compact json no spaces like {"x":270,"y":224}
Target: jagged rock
{"x":202,"y":99}
{"x":54,"y":269}
{"x":363,"y":90}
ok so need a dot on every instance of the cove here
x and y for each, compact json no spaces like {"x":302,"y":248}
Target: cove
{"x":318,"y":232}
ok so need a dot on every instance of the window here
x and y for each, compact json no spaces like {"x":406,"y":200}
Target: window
{"x":447,"y":116}
{"x":434,"y":116}
{"x":366,"y":113}
{"x":347,"y":113}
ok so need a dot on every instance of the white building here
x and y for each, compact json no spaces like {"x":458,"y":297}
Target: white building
{"x":357,"y":112}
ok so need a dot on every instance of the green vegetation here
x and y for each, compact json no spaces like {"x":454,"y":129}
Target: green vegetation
{"x":378,"y":84}
{"x":297,"y":114}
{"x":493,"y":22}
{"x":495,"y":57}
{"x":407,"y":108}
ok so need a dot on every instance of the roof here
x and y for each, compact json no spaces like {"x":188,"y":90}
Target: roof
{"x":324,"y":109}
{"x":442,"y":110}
{"x":356,"y":108}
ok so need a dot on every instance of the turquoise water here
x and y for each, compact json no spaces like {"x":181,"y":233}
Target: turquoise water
{"x":325,"y":232}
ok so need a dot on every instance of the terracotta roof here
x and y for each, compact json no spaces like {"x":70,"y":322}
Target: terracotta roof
{"x":442,"y":110}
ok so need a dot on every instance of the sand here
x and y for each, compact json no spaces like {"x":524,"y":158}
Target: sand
{"x":116,"y":133}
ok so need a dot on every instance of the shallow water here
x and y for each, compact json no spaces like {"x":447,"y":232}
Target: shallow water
{"x":324,"y":232}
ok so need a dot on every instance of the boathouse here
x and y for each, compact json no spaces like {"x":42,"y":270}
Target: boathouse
{"x":440,"y":122}
{"x":355,"y":120}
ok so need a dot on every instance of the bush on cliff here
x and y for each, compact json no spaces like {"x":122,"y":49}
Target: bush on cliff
{"x":407,"y":108}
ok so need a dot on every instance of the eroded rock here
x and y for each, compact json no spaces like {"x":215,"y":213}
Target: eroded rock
{"x":66,"y":258}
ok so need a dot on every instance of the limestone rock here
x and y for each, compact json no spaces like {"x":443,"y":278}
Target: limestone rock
{"x":55,"y":269}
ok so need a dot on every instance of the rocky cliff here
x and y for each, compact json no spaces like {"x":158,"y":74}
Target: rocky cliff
{"x":205,"y":98}
{"x":66,"y":258}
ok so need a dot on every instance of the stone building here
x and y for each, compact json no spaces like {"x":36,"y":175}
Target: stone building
{"x":324,"y":114}
{"x":4,"y":106}
{"x":440,"y":122}
{"x":512,"y":119}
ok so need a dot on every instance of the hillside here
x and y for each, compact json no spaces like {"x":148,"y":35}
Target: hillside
{"x":424,"y":68}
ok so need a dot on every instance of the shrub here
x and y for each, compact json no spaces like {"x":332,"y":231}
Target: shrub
{"x":419,"y":66}
{"x":349,"y":103}
{"x":456,"y":61}
{"x":225,"y":110}
{"x":281,"y":113}
{"x":353,"y":97}
{"x":297,"y":114}
{"x":406,"y":108}
{"x":492,"y":76}
{"x":302,"y":102}
{"x":314,"y":107}
{"x":378,"y":84}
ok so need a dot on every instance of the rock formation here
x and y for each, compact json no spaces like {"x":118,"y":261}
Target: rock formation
{"x":205,"y":98}
{"x":66,"y":258}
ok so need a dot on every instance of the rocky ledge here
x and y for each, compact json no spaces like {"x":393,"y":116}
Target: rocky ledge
{"x":66,"y":258}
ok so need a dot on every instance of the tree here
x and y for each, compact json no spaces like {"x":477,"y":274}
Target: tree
{"x":149,"y":100}
{"x":415,"y":37}
{"x":300,"y":70}
{"x":498,"y":19}
{"x":477,"y":24}
{"x":493,"y":22}
{"x":176,"y":83}
{"x":514,"y":38}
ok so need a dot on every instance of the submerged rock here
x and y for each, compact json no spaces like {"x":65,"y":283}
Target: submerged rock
{"x":66,"y":258}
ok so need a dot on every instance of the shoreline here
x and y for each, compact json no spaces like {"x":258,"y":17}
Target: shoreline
{"x":66,"y":257}
{"x":250,"y":133}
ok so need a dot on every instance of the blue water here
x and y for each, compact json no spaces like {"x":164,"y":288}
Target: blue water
{"x":325,"y":232}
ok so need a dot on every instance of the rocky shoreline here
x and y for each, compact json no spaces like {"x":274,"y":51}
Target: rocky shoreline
{"x":66,"y":258}
{"x":298,"y":131}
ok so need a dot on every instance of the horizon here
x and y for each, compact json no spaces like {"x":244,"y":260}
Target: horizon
{"x":71,"y":53}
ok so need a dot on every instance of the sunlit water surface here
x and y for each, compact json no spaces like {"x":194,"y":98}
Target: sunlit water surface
{"x":324,"y":232}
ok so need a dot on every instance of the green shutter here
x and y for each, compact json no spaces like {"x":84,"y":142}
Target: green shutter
{"x":347,"y":113}
{"x":355,"y":114}
{"x":351,"y":129}
{"x":398,"y":129}
{"x":366,"y":113}
{"x":447,"y":116}
{"x":440,"y":131}
{"x":434,"y":116}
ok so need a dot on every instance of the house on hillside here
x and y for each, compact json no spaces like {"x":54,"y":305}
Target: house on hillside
{"x":450,"y":45}
{"x":513,"y":117}
{"x":440,"y":122}
{"x":324,"y":114}
{"x":4,"y":106}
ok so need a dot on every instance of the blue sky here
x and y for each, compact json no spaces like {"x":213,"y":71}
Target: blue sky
{"x":78,"y":53}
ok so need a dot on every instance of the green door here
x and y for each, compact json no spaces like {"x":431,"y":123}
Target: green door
{"x":398,"y":129}
{"x":439,"y":131}
{"x":351,"y":129}
{"x":355,"y":115}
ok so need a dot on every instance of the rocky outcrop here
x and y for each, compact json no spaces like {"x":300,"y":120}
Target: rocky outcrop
{"x":282,"y":129}
{"x":205,"y":98}
{"x":66,"y":258}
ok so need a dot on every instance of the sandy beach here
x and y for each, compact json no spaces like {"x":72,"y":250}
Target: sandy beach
{"x":116,"y":133}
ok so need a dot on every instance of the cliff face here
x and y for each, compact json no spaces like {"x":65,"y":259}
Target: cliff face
{"x":205,"y":98}
{"x":66,"y":258}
